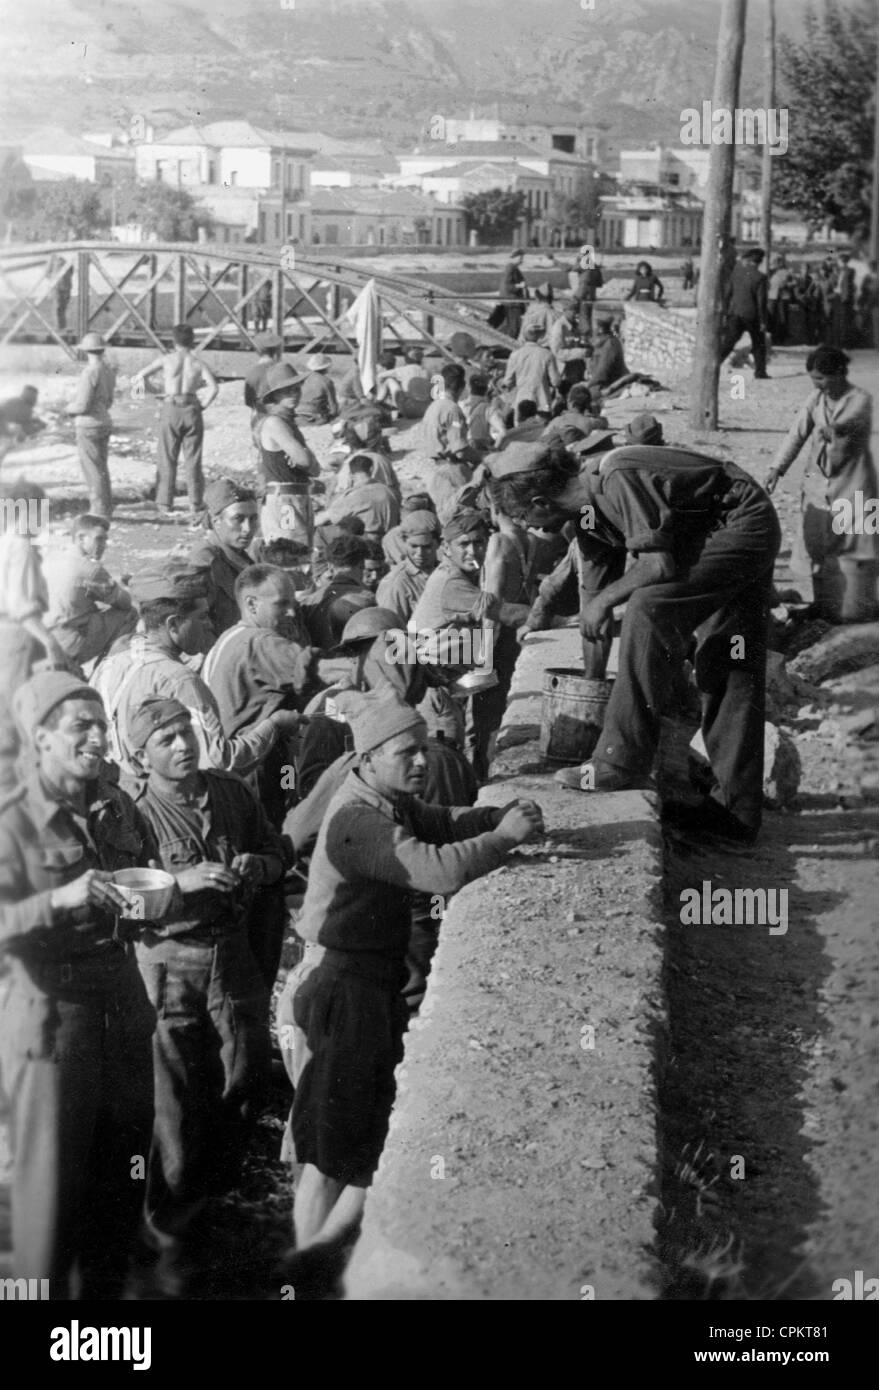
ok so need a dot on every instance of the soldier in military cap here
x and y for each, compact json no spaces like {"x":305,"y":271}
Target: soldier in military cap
{"x":75,"y":1021}
{"x":403,"y":585}
{"x":211,"y":1044}
{"x":377,"y":843}
{"x":233,"y":521}
{"x":173,"y":608}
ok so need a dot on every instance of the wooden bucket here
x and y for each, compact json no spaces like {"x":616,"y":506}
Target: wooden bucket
{"x":572,"y":715}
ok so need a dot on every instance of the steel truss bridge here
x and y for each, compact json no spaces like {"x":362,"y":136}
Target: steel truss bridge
{"x":133,"y":295}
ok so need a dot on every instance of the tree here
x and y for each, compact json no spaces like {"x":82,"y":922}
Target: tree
{"x":67,"y":210}
{"x":581,"y":213}
{"x":829,"y":92}
{"x":170,"y":214}
{"x":494,"y":214}
{"x":768,"y":156}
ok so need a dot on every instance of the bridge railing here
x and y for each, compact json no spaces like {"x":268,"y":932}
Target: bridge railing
{"x":132,"y":294}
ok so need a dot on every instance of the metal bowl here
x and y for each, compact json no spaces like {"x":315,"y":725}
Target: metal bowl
{"x":148,"y":893}
{"x":475,"y":682}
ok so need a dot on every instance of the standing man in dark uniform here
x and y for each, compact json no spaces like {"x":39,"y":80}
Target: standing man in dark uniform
{"x":75,"y":1022}
{"x":747,"y":307}
{"x":704,"y":536}
{"x":512,"y":287}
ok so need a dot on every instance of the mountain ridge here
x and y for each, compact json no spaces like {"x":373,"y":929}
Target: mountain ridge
{"x":383,"y":66}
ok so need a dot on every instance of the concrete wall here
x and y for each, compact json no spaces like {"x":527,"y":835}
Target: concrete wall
{"x":521,"y":1162}
{"x":659,"y":340}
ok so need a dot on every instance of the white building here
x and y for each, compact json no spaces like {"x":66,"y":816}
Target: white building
{"x":650,"y":221}
{"x":69,"y":156}
{"x":682,"y":169}
{"x":226,"y":154}
{"x":568,"y":174}
{"x":542,"y":125}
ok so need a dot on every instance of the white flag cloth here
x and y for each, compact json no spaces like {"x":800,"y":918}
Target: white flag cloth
{"x":365,"y":316}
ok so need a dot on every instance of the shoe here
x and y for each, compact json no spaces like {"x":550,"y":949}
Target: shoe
{"x":708,"y":820}
{"x":601,"y":777}
{"x":761,"y":376}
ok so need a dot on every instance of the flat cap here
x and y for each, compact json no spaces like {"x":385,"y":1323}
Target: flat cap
{"x":522,"y":456}
{"x":375,"y":717}
{"x":92,"y":342}
{"x":151,"y":715}
{"x":223,"y":493}
{"x":36,"y":699}
{"x":420,"y":523}
{"x":174,"y":581}
{"x":465,"y":523}
{"x":267,"y":342}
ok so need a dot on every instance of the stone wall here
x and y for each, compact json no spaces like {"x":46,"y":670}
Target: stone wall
{"x":659,"y":341}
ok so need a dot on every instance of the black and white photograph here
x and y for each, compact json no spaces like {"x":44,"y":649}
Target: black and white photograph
{"x":439,"y":666}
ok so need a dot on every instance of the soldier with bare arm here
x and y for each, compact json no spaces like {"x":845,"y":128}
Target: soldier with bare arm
{"x":181,"y":428}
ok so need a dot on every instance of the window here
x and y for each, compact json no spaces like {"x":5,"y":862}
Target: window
{"x":289,"y":224}
{"x":212,"y":171}
{"x":288,"y":183}
{"x":276,"y":173}
{"x":277,"y":226}
{"x":262,"y":226}
{"x":332,"y":234}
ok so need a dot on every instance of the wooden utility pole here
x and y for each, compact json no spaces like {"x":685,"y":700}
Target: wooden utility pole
{"x":874,"y":210}
{"x":769,"y":93}
{"x":718,"y":219}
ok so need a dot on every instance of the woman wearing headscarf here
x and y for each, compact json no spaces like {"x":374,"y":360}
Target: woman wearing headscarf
{"x":836,"y":420}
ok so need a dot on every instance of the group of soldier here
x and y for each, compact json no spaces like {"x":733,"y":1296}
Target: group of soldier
{"x":252,"y":720}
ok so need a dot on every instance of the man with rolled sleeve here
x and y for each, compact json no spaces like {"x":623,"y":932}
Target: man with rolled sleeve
{"x":75,"y":1021}
{"x":703,"y":536}
{"x":377,"y":845}
{"x":211,"y":1044}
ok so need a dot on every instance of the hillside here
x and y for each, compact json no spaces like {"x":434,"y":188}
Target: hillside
{"x":376,"y":67}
